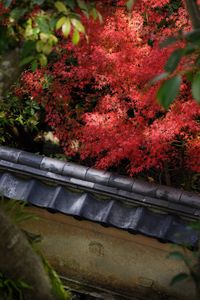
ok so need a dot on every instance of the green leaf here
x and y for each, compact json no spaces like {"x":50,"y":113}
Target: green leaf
{"x":196,"y":87}
{"x":43,"y":60}
{"x":78,"y":25}
{"x":43,"y":24}
{"x":75,"y":37}
{"x":173,"y":60}
{"x":17,"y":13}
{"x":39,"y":46}
{"x":82,"y":5}
{"x":7,"y":3}
{"x":34,"y":65}
{"x":38,"y":2}
{"x":47,"y":49}
{"x":70,"y":3}
{"x":170,"y":40}
{"x":26,"y":60}
{"x":178,"y":278}
{"x":66,"y":28}
{"x":129,"y":4}
{"x":169,"y":91}
{"x":60,"y":22}
{"x":60,"y":6}
{"x":193,"y":36}
{"x":159,"y":77}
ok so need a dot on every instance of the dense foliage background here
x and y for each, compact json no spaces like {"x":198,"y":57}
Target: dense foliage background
{"x":88,"y":78}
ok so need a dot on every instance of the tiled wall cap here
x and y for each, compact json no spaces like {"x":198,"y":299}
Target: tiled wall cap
{"x":97,"y":176}
{"x":145,"y":188}
{"x":30,"y":159}
{"x":9,"y":154}
{"x":168,"y":193}
{"x":74,"y":170}
{"x":52,"y":165}
{"x":190,"y":199}
{"x":121,"y":182}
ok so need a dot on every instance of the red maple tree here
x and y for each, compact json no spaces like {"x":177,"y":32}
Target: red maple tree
{"x":97,"y":95}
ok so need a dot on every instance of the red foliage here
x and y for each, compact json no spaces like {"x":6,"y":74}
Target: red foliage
{"x":98,"y":100}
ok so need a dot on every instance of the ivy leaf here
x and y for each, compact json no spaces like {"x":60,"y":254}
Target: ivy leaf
{"x":173,"y":60}
{"x":66,"y":28}
{"x":178,"y":278}
{"x":168,"y":91}
{"x":196,"y":87}
{"x":75,"y":37}
{"x":60,"y":6}
{"x":78,"y":25}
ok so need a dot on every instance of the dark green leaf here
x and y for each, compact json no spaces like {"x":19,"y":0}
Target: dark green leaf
{"x":193,"y":36}
{"x":170,"y":40}
{"x":26,"y":60}
{"x":43,"y":24}
{"x":189,"y":48}
{"x":196,"y":87}
{"x":27,"y":48}
{"x":38,"y":2}
{"x":176,"y":255}
{"x":173,"y":60}
{"x":129,"y":4}
{"x":169,"y":91}
{"x":178,"y":278}
{"x":7,"y":3}
{"x":159,"y":77}
{"x":17,"y":13}
{"x":82,"y":5}
{"x":34,"y":65}
{"x":70,"y":3}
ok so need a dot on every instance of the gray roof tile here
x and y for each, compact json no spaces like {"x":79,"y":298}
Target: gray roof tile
{"x":99,"y":196}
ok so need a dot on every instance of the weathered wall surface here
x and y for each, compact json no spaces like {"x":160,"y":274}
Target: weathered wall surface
{"x":133,"y":265}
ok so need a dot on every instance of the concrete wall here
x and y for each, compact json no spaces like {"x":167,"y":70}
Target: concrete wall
{"x":92,"y":255}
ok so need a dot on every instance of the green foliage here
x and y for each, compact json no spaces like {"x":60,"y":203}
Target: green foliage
{"x":36,"y":31}
{"x":12,"y":289}
{"x":15,"y":115}
{"x":15,"y":209}
{"x":57,"y":287}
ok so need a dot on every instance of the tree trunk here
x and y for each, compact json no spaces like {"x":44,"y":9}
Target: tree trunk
{"x":18,"y":261}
